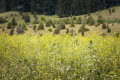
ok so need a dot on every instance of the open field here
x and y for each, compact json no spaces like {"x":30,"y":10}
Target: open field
{"x":114,"y":16}
{"x":24,"y":57}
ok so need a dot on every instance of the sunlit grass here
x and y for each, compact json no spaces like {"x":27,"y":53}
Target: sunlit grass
{"x":24,"y":57}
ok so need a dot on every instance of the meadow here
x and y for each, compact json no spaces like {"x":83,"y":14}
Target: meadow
{"x":59,"y":57}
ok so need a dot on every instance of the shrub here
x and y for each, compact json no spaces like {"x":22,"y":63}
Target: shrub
{"x":83,"y":29}
{"x":74,"y":18}
{"x":20,"y":13}
{"x":24,"y":27}
{"x":57,"y":31}
{"x":61,"y":26}
{"x":42,"y":18}
{"x":66,"y":21}
{"x":90,"y":21}
{"x":110,"y":11}
{"x":71,"y":32}
{"x":36,"y":21}
{"x":100,"y":20}
{"x":50,"y":30}
{"x":11,"y":31}
{"x":20,"y":30}
{"x":14,"y":23}
{"x":3,"y":29}
{"x":12,"y":15}
{"x":78,"y":20}
{"x":10,"y":25}
{"x":72,"y":24}
{"x":54,"y":26}
{"x":27,"y":18}
{"x":2,"y":20}
{"x":113,"y":10}
{"x":67,"y":31}
{"x":34,"y":27}
{"x":41,"y":26}
{"x":104,"y":26}
{"x":49,"y":23}
{"x":108,"y":30}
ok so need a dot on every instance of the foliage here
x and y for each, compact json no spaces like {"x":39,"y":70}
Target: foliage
{"x":43,"y":18}
{"x":41,"y":26}
{"x":50,"y":30}
{"x":83,"y":29}
{"x":20,"y":30}
{"x":49,"y":23}
{"x":12,"y":31}
{"x":10,"y":25}
{"x":2,"y":20}
{"x":61,"y":26}
{"x":59,"y":57}
{"x":90,"y":21}
{"x":78,"y":20}
{"x":57,"y":31}
{"x":100,"y":20}
{"x":67,"y":30}
{"x":14,"y":23}
{"x":72,"y":24}
{"x":104,"y":26}
{"x":34,"y":27}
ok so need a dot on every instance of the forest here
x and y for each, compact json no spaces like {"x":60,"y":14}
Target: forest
{"x":62,"y":8}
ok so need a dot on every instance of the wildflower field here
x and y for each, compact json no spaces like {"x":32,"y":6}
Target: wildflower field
{"x":24,"y":57}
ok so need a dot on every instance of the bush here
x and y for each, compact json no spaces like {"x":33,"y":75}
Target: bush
{"x":100,"y":20}
{"x":74,"y":18}
{"x":34,"y":27}
{"x":11,"y":31}
{"x":41,"y":26}
{"x":109,"y":10}
{"x":2,"y":28}
{"x":71,"y":32}
{"x":2,"y":20}
{"x":90,"y":21}
{"x":72,"y":24}
{"x":50,"y":30}
{"x":78,"y":20}
{"x":57,"y":31}
{"x":61,"y":26}
{"x":49,"y":23}
{"x":36,"y":21}
{"x":54,"y":26}
{"x":108,"y":30}
{"x":67,"y":31}
{"x":14,"y":23}
{"x":83,"y":29}
{"x":20,"y":30}
{"x":10,"y":25}
{"x":42,"y":18}
{"x":113,"y":10}
{"x":104,"y":26}
{"x":24,"y":27}
{"x":66,"y":21}
{"x":27,"y":18}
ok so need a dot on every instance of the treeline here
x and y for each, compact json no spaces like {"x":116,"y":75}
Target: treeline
{"x":60,"y":7}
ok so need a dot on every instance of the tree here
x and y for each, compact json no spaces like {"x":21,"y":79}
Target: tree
{"x":78,"y":20}
{"x":72,"y":24}
{"x":14,"y":23}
